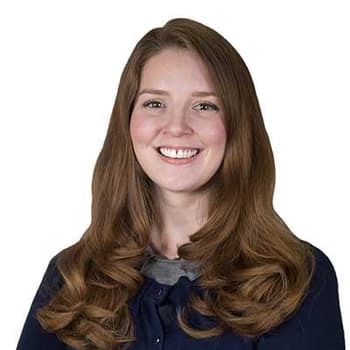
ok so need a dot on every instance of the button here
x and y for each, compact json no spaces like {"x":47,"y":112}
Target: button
{"x":157,"y":340}
{"x":159,"y":291}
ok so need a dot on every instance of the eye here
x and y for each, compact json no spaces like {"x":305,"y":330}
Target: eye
{"x":154,"y":102}
{"x":211,"y":105}
{"x":147,"y":103}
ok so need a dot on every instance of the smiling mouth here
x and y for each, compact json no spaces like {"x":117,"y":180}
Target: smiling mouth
{"x":164,"y":155}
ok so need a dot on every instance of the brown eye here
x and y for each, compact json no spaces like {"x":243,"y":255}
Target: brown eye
{"x":151,"y":102}
{"x":210,"y":105}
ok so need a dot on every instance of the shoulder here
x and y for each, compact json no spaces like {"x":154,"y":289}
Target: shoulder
{"x":51,"y":282}
{"x":323,"y":287}
{"x":325,"y":275}
{"x":32,"y":335}
{"x":317,"y":322}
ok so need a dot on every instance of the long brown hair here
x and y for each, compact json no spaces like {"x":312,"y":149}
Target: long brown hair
{"x":255,"y":272}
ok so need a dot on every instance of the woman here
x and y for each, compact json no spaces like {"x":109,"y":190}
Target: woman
{"x":185,"y":249}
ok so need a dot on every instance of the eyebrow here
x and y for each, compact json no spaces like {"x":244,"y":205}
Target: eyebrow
{"x":163,"y":92}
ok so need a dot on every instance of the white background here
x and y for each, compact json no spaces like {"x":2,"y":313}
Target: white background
{"x":60,"y":67}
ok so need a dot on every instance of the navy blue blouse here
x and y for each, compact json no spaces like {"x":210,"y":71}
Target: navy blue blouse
{"x":317,"y":324}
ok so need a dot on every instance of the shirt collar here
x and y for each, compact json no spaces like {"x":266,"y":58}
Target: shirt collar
{"x":165,"y":270}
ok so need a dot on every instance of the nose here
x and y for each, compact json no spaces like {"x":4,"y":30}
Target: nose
{"x":177,"y":123}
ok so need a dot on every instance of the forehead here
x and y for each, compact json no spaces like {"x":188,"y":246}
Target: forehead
{"x":178,"y":67}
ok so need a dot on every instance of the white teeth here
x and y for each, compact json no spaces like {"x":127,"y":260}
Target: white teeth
{"x":179,"y":154}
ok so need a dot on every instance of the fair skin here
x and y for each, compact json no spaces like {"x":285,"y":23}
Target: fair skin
{"x":177,"y":119}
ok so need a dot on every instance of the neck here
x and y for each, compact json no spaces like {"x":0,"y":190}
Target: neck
{"x":181,"y":215}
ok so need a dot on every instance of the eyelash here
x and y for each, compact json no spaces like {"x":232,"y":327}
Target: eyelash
{"x":212,"y":105}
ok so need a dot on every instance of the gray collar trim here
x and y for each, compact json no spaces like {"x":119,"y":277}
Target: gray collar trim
{"x":167,"y":271}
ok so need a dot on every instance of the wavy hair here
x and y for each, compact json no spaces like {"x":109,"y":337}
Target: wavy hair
{"x":254,"y":270}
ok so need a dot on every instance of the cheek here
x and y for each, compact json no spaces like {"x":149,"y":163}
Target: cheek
{"x":140,"y":129}
{"x":215,"y":134}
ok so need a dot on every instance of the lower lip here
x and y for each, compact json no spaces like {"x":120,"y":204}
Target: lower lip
{"x":179,"y":161}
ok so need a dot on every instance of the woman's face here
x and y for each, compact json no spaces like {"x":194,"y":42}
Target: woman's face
{"x":177,"y":119}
